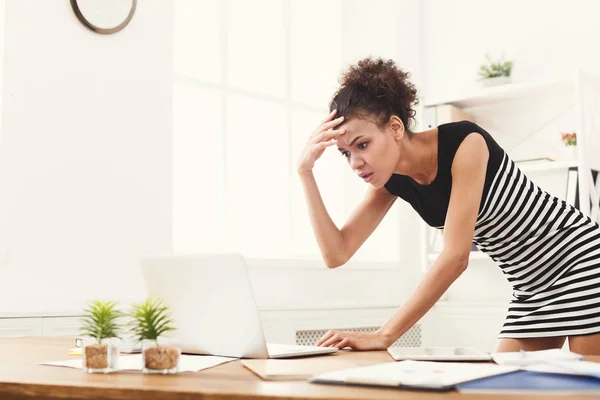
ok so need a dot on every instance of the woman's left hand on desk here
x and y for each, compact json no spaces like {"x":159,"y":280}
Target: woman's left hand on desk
{"x":355,"y":340}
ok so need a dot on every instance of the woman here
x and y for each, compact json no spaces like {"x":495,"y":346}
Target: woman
{"x":459,"y":179}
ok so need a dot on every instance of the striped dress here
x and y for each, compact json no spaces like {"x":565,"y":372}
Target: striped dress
{"x":547,"y":249}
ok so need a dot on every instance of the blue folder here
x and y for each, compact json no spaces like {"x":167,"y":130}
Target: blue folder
{"x":532,"y":382}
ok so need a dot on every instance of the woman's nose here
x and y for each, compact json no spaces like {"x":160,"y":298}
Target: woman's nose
{"x":356,"y":162}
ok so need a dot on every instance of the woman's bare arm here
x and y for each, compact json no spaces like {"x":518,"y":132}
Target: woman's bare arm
{"x":339,"y":245}
{"x":468,"y":176}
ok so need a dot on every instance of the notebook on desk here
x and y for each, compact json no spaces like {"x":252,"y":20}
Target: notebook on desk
{"x":297,"y":369}
{"x":529,"y":382}
{"x":424,"y":375}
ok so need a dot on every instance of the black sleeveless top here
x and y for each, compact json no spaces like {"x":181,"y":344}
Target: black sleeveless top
{"x":431,"y":201}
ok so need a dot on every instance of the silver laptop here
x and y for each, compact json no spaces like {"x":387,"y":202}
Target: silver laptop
{"x":213,"y":306}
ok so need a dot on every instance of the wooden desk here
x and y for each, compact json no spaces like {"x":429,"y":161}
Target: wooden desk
{"x":21,"y":378}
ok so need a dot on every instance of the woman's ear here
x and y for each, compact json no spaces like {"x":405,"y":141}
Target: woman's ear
{"x":397,"y":127}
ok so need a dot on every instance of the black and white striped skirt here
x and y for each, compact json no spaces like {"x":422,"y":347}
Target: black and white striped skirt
{"x":570,"y":307}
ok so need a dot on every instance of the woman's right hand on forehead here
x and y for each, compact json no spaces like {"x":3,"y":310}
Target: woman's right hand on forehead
{"x":324,"y":136}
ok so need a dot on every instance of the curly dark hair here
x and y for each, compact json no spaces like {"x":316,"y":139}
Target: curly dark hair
{"x":378,"y":89}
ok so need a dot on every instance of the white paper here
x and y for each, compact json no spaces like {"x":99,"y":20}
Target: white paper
{"x":424,"y":374}
{"x":584,"y":368}
{"x":534,"y":357}
{"x":187,"y":363}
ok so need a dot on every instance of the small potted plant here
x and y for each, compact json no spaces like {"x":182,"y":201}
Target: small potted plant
{"x":570,"y":140}
{"x":150,"y":320}
{"x":495,"y":72}
{"x":100,"y":328}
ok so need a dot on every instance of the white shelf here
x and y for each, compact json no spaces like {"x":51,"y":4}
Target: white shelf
{"x":475,"y":255}
{"x":545,"y":165}
{"x":506,"y":92}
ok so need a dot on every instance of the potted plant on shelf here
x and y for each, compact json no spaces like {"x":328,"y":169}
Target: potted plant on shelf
{"x":494,"y":73}
{"x":100,"y":328}
{"x":570,"y":140}
{"x":150,"y":320}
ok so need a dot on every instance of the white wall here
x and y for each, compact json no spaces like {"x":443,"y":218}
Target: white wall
{"x":545,"y":37}
{"x":85,"y":154}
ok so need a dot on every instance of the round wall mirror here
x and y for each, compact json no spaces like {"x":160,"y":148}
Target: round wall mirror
{"x":104,"y":16}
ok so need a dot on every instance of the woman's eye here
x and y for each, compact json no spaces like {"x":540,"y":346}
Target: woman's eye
{"x":362,"y":146}
{"x":346,"y":154}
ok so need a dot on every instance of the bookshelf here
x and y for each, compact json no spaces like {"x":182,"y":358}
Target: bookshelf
{"x":511,"y":91}
{"x":542,"y":166}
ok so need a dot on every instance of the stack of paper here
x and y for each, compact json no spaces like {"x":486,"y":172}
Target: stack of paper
{"x":582,"y":368}
{"x":535,"y":357}
{"x":547,"y":371}
{"x":414,"y":374}
{"x":188,"y":363}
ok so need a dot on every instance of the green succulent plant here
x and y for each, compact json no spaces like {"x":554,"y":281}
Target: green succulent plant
{"x":150,"y":319}
{"x":493,"y":69}
{"x":100,"y":320}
